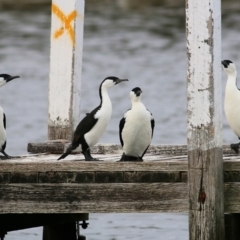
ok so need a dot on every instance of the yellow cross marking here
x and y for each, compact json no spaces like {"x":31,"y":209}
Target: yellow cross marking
{"x":66,"y":20}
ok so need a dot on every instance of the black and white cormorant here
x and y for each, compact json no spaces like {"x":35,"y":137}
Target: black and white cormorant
{"x":232,"y":100}
{"x":4,"y":78}
{"x":136,"y":129}
{"x":93,"y":125}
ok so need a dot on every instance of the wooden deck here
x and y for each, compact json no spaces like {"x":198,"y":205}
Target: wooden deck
{"x":38,"y":183}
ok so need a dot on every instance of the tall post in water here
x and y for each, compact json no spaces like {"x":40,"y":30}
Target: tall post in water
{"x":64,"y":84}
{"x":65,"y":68}
{"x":204,"y":134}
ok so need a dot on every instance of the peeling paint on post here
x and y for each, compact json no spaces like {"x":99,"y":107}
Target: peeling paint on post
{"x":65,"y":68}
{"x":205,"y":173}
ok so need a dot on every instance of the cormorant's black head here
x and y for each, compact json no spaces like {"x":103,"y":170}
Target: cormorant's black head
{"x":226,"y":63}
{"x":229,"y":67}
{"x":111,"y":81}
{"x":137,"y":91}
{"x":4,"y":78}
{"x":136,"y":94}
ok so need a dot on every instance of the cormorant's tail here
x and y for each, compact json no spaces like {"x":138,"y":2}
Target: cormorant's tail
{"x":71,"y":147}
{"x":66,"y":153}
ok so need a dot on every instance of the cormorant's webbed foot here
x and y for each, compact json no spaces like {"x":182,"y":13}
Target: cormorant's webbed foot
{"x":126,"y":158}
{"x":88,"y":156}
{"x":235,"y":147}
{"x":6,"y":156}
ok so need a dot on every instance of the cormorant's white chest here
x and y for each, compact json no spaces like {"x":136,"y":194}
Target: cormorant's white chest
{"x":232,"y":105}
{"x":137,"y":131}
{"x":2,"y":130}
{"x":103,"y":117}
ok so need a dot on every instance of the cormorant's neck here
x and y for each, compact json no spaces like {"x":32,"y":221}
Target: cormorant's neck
{"x":103,"y":94}
{"x":136,"y":102}
{"x":232,"y":79}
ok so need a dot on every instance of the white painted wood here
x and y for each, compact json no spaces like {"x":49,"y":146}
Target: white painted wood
{"x":204,"y":67}
{"x":204,"y":111}
{"x":65,"y":65}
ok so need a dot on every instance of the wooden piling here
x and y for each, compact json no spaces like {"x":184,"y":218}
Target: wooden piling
{"x":64,"y":85}
{"x":205,"y":165}
{"x":65,"y":68}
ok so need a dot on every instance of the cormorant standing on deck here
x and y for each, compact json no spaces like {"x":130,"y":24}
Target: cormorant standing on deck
{"x":232,"y":100}
{"x":136,"y":129}
{"x":93,"y":125}
{"x":4,"y":78}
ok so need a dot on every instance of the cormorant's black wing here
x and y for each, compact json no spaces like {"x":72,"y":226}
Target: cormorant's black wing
{"x":152,"y":125}
{"x":121,"y":125}
{"x":5,"y":143}
{"x":85,"y":125}
{"x":4,"y":120}
{"x":152,"y":122}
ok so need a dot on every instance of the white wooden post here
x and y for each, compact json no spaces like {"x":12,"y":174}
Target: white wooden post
{"x":65,"y":67}
{"x":205,"y":176}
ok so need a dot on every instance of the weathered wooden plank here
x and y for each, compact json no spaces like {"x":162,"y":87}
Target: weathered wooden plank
{"x":82,"y":198}
{"x":58,"y":146}
{"x":115,"y":197}
{"x":50,"y":165}
{"x":4,"y":177}
{"x":232,"y":197}
{"x":54,"y":147}
{"x":96,"y":177}
{"x":152,"y":176}
{"x":67,"y":177}
{"x":65,"y":67}
{"x":232,"y":164}
{"x":204,"y":110}
{"x":232,"y":176}
{"x":16,"y":177}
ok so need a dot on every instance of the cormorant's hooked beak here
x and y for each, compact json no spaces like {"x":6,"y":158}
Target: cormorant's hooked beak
{"x":11,"y":78}
{"x":120,"y":80}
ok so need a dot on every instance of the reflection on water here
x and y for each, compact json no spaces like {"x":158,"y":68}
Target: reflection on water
{"x":145,"y":45}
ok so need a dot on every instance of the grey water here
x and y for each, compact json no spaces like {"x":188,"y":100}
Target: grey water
{"x":147,"y":46}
